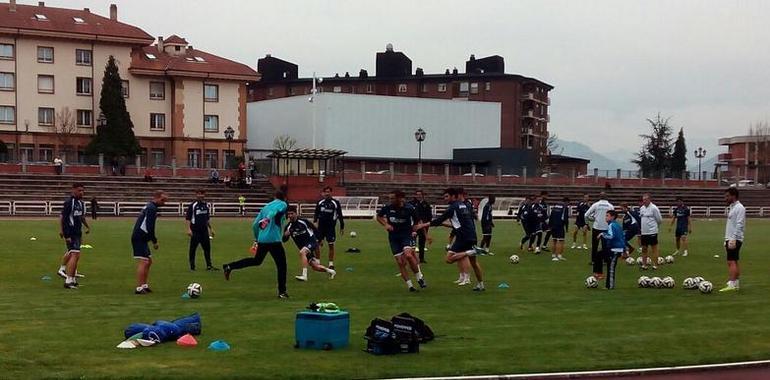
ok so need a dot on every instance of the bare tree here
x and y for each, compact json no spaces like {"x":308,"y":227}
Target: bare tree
{"x":65,"y":129}
{"x":552,"y":145}
{"x":284,"y":142}
{"x":759,"y":157}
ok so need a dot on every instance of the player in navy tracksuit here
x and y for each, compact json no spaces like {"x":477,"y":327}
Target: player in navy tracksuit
{"x":144,"y":232}
{"x":463,"y":224}
{"x":558,"y":221}
{"x":580,"y":222}
{"x":524,"y":216}
{"x":424,"y":214}
{"x":199,"y":229}
{"x":304,"y":233}
{"x":327,"y":212}
{"x":546,"y":225}
{"x":683,"y":226}
{"x":487,"y":223}
{"x":539,"y":215}
{"x":631,"y":227}
{"x":399,"y":219}
{"x":71,"y":224}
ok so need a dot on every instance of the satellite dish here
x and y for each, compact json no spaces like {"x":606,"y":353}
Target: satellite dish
{"x":389,"y":47}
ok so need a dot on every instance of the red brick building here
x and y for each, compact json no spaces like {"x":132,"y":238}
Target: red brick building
{"x":747,"y":157}
{"x":524,"y":101}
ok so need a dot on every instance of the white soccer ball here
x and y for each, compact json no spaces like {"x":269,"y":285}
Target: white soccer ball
{"x":661,"y":260}
{"x":669,"y":259}
{"x":639,"y":261}
{"x":194,"y":290}
{"x":698,"y":280}
{"x":630,"y":261}
{"x":689,"y":283}
{"x":353,"y":234}
{"x":591,"y":282}
{"x":705,"y":287}
{"x":514,"y":259}
{"x":656,"y":282}
{"x":644,"y":282}
{"x":668,"y":282}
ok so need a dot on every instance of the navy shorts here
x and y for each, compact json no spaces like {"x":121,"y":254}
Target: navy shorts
{"x":630,"y":235}
{"x":580,"y":223}
{"x":486,"y":230}
{"x":557,"y":233}
{"x":462,"y":245}
{"x":681,"y":231}
{"x":74,"y":244}
{"x":399,"y":243}
{"x":141,"y":249}
{"x":649,"y":239}
{"x":734,"y":254}
{"x":327,"y":233}
{"x":311,"y":246}
{"x":310,"y":255}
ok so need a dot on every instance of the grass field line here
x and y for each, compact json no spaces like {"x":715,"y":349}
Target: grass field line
{"x":618,"y":373}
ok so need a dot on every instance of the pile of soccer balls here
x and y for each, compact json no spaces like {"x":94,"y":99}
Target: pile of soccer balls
{"x":639,"y":261}
{"x":656,"y":282}
{"x":699,"y":283}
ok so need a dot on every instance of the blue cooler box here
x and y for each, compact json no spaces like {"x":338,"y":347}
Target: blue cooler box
{"x":322,"y":331}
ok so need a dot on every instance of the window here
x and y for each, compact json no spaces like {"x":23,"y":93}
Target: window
{"x":45,"y":154}
{"x":474,"y":88}
{"x":158,"y":157}
{"x":7,"y":81}
{"x":442,"y":87}
{"x":402,"y":87}
{"x":150,"y":56}
{"x":229,"y":156}
{"x":210,"y":123}
{"x":6,"y":51}
{"x":337,"y":89}
{"x":463,"y":87}
{"x":199,"y":59}
{"x":83,"y":86}
{"x":157,"y":90}
{"x":26,"y":151}
{"x":84,"y":118}
{"x":78,"y":20}
{"x":157,"y":122}
{"x":7,"y":115}
{"x":177,"y":48}
{"x":45,"y":84}
{"x":193,"y":158}
{"x":211,"y":92}
{"x":40,"y":17}
{"x":45,"y":54}
{"x":211,"y":158}
{"x":45,"y":116}
{"x":424,"y":87}
{"x":124,"y":89}
{"x":83,"y":57}
{"x":487,"y":86}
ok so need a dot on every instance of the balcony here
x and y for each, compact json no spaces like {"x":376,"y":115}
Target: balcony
{"x":531,"y":97}
{"x":725,"y":157}
{"x":529,"y":114}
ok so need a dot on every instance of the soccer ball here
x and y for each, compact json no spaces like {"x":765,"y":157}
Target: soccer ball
{"x":514,"y":259}
{"x":353,"y":234}
{"x":194,"y":290}
{"x":656,"y":282}
{"x":689,"y":283}
{"x":705,"y":287}
{"x":630,"y":261}
{"x":669,"y":259}
{"x":661,"y":261}
{"x":639,"y":260}
{"x":644,"y":282}
{"x":591,"y":282}
{"x":698,"y":280}
{"x":668,"y":282}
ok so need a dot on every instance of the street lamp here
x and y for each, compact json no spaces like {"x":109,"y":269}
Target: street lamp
{"x":699,"y":154}
{"x":419,"y":135}
{"x":313,"y":92}
{"x":229,"y":134}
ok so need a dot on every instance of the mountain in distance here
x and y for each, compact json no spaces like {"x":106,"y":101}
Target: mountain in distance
{"x":621,"y":159}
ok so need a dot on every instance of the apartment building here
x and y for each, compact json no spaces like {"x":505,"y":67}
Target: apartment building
{"x":182,"y":100}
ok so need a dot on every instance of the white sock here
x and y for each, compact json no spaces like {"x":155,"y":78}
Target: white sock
{"x":331,"y":263}
{"x":409,"y":283}
{"x":467,"y":276}
{"x":304,"y":272}
{"x":62,"y":267}
{"x":737,"y":283}
{"x":419,"y":275}
{"x":69,"y":280}
{"x":685,"y":252}
{"x":327,"y":271}
{"x":560,"y":256}
{"x":481,"y":284}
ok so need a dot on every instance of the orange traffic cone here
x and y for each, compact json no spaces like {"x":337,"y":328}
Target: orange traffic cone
{"x":187,"y":341}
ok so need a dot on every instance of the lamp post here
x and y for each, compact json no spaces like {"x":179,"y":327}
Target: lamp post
{"x":229,"y":134}
{"x":699,"y":154}
{"x":419,"y":135}
{"x":314,"y":91}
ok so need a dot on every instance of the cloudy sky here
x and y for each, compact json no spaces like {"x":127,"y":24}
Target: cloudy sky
{"x":706,"y":64}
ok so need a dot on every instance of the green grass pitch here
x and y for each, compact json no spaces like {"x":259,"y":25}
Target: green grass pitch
{"x":546,"y":321}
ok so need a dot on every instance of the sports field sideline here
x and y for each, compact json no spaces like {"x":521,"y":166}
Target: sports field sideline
{"x":546,"y":321}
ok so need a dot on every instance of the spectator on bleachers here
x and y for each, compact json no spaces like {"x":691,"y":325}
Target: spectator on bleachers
{"x":214,"y":176}
{"x":122,"y":165}
{"x":58,"y":164}
{"x":248,"y":181}
{"x":94,"y":208}
{"x":147,"y":175}
{"x":241,"y":170}
{"x":114,"y":165}
{"x":226,"y":181}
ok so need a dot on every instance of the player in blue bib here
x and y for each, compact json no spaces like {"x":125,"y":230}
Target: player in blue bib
{"x":71,"y":223}
{"x":683,"y":226}
{"x":399,"y":219}
{"x":305,"y":236}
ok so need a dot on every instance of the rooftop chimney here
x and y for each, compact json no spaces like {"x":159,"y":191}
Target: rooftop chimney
{"x":160,"y":44}
{"x":41,"y":3}
{"x":363,"y":73}
{"x":12,"y":6}
{"x":87,"y":10}
{"x":113,"y":12}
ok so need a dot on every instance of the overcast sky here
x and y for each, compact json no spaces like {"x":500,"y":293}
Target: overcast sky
{"x":612,"y":63}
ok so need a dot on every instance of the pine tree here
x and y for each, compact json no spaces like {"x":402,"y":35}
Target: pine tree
{"x":116,"y":138}
{"x":679,"y":157}
{"x":654,"y":159}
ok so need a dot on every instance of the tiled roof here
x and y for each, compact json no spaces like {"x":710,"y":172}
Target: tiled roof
{"x":174,"y":39}
{"x":191,"y":63}
{"x":76,"y":22}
